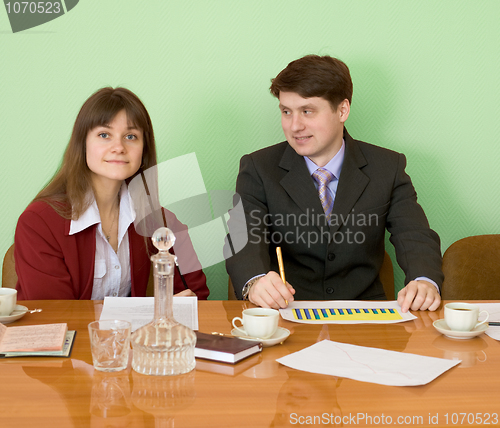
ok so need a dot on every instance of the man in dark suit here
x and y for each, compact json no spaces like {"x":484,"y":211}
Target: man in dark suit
{"x":326,"y":200}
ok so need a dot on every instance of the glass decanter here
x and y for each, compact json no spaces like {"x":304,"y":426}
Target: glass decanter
{"x":163,"y":347}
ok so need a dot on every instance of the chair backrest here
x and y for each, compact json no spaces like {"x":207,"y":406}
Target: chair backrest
{"x":471,"y":268}
{"x":9,"y":276}
{"x":386,"y":276}
{"x":231,"y":295}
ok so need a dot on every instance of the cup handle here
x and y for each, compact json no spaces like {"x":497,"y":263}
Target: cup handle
{"x":485,"y":358}
{"x":482,"y":322}
{"x":238,"y":328}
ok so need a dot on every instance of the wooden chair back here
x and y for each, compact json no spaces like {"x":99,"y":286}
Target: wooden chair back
{"x":471,"y":268}
{"x":9,"y":276}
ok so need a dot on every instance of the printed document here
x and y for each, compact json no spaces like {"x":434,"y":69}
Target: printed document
{"x":140,"y":310}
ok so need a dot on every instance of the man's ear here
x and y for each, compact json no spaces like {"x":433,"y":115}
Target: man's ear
{"x":343,"y":109}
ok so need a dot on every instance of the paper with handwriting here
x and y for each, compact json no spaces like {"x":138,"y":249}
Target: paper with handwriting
{"x":367,"y":364}
{"x":46,"y":337}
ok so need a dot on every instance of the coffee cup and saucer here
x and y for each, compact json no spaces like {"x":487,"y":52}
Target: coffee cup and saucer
{"x":9,"y":311}
{"x":461,"y":321}
{"x":260,"y":324}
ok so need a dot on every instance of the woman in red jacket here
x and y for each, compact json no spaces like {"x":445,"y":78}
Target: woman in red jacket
{"x":80,"y":238}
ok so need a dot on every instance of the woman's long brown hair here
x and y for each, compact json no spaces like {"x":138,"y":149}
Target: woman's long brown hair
{"x":67,"y":192}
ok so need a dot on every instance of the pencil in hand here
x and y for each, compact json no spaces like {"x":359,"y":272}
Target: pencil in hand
{"x":281,"y":267}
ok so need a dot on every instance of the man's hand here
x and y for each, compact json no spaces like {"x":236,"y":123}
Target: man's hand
{"x":270,"y":292}
{"x":419,"y":295}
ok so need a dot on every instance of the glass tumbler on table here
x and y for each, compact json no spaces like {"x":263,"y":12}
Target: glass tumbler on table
{"x":110,"y":344}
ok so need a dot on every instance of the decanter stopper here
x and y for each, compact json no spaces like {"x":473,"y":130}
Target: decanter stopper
{"x":163,"y":239}
{"x":164,"y":346}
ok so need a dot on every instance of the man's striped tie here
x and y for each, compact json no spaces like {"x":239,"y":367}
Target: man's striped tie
{"x":323,"y":177}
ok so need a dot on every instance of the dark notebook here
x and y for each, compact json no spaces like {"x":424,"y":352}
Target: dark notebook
{"x":223,"y":348}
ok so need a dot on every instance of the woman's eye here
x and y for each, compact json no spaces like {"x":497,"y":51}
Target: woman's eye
{"x":103,"y":135}
{"x":131,"y":137}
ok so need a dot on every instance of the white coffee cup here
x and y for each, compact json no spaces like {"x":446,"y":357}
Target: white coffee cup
{"x":8,"y":300}
{"x":260,"y":323}
{"x":463,"y":316}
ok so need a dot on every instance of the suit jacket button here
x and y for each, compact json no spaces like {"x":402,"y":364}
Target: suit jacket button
{"x":331,"y":256}
{"x":329,"y":290}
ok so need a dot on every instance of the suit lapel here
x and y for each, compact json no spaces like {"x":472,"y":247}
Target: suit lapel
{"x":299,"y":185}
{"x":352,"y":183}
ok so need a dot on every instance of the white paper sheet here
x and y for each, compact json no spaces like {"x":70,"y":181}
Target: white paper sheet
{"x":494,"y":310}
{"x":140,"y":310}
{"x":288,"y":313}
{"x":367,"y":364}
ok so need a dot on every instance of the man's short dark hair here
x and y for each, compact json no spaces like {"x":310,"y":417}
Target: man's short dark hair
{"x":315,"y":76}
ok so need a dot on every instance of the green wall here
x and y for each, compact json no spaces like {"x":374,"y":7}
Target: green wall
{"x":426,"y":83}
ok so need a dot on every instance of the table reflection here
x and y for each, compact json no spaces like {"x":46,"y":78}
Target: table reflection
{"x":71,"y":380}
{"x":470,"y":351}
{"x":163,"y":397}
{"x":299,"y":394}
{"x":110,"y":400}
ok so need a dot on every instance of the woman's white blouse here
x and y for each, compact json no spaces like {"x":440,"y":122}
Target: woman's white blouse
{"x":112,"y":275}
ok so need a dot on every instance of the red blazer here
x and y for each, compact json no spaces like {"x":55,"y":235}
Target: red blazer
{"x":51,"y":264}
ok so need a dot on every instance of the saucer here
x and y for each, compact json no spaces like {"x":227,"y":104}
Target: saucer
{"x":278,"y":337}
{"x":17,"y":313}
{"x":442,"y":327}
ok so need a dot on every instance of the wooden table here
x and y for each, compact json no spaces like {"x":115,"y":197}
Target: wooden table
{"x":257,"y":392}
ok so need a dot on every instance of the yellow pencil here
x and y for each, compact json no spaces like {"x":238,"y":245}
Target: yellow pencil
{"x":282,"y":269}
